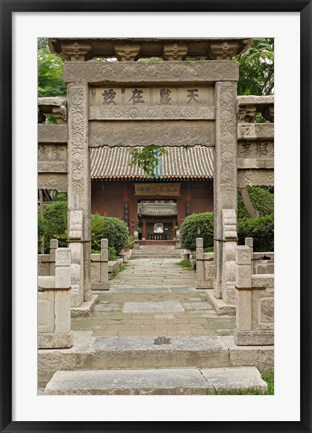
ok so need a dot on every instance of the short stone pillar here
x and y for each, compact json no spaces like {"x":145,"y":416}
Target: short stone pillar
{"x":249,"y":243}
{"x":75,"y":240}
{"x":99,"y":268}
{"x":136,"y":245}
{"x":178,"y":240}
{"x":53,"y":248}
{"x":204,"y":267}
{"x":229,"y":232}
{"x":54,"y":315}
{"x":254,"y":303}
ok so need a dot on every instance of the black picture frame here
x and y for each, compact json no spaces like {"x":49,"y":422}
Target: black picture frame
{"x":254,"y":6}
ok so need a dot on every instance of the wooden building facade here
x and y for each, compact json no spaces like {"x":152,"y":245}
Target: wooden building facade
{"x":155,"y":206}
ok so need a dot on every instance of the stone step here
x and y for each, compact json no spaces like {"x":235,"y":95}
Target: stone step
{"x":184,"y":381}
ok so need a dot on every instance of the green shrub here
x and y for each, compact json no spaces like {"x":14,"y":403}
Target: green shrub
{"x":112,"y":253}
{"x":53,"y":225}
{"x":260,"y":229}
{"x":111,"y":228}
{"x":197,"y":226}
{"x":261,"y":199}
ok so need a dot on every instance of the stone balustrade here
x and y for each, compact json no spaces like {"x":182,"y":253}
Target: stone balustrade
{"x":254,"y":302}
{"x":56,"y":106}
{"x":205,"y":268}
{"x":46,"y":262}
{"x":100,"y":266}
{"x":54,"y":304}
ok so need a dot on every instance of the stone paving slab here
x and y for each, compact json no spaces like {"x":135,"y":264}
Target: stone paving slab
{"x":153,"y":307}
{"x":131,"y":382}
{"x":175,"y":381}
{"x":234,"y":378}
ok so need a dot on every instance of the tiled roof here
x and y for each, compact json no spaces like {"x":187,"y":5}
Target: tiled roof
{"x":178,"y":163}
{"x":157,"y":209}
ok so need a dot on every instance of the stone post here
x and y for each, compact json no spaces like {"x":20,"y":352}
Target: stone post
{"x":178,"y":240}
{"x":229,"y":234}
{"x":136,"y":245}
{"x":62,"y":295}
{"x":53,"y":247}
{"x":200,"y":266}
{"x":54,"y":313}
{"x":79,"y":182}
{"x":225,"y":171}
{"x":243,"y":290}
{"x":75,"y":237}
{"x":104,"y":264}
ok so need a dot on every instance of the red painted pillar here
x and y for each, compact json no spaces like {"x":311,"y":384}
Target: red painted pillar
{"x":144,"y":230}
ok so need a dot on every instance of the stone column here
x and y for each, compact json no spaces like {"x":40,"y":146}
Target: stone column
{"x":104,"y":264}
{"x":225,"y":171}
{"x":53,"y":247}
{"x":200,"y":266}
{"x":79,"y":182}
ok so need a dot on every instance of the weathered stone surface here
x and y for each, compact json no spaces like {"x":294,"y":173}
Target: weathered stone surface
{"x":52,"y":133}
{"x":55,"y":341}
{"x":131,"y":382}
{"x":255,"y":178}
{"x":235,"y":378}
{"x":255,"y":100}
{"x":85,"y":308}
{"x":262,"y":281}
{"x":225,"y":195}
{"x":46,"y":311}
{"x":153,"y":307}
{"x":255,"y":163}
{"x":254,"y":131}
{"x":261,"y":337}
{"x":166,"y":72}
{"x":46,"y":282}
{"x":57,"y":181}
{"x":79,"y":181}
{"x":142,"y":352}
{"x":159,"y":133}
{"x":151,"y":113}
{"x":52,"y":167}
{"x":262,"y":357}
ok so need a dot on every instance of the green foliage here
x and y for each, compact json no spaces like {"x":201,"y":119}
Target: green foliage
{"x":261,"y":199}
{"x":148,"y":159}
{"x":197,"y":226}
{"x":112,"y":253}
{"x":256,"y":68}
{"x":186,"y":264}
{"x":130,"y":243}
{"x":111,"y":228}
{"x":53,"y":225}
{"x":260,"y":229}
{"x":50,"y":74}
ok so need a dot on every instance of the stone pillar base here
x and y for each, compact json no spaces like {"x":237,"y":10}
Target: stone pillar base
{"x":100,"y":286}
{"x":254,"y":338}
{"x":206,"y":284}
{"x":55,"y":341}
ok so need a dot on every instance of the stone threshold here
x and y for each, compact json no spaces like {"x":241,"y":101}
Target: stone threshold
{"x":184,"y":381}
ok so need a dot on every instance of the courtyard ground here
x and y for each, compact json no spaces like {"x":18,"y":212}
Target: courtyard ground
{"x":154,"y":297}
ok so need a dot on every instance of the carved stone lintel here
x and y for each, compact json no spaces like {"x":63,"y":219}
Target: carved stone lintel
{"x":175,"y":51}
{"x":127,"y":52}
{"x":222,"y":50}
{"x":76,"y":51}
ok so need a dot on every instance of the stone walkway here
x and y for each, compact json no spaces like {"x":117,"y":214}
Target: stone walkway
{"x":154,"y":297}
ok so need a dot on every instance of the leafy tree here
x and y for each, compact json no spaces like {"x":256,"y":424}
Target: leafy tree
{"x":261,"y":199}
{"x":256,"y":68}
{"x":147,"y":158}
{"x":50,"y":74}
